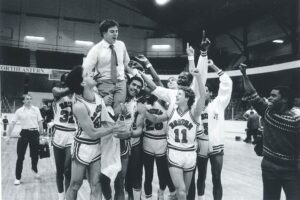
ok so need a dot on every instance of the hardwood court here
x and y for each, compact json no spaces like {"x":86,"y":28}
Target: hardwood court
{"x":241,"y":175}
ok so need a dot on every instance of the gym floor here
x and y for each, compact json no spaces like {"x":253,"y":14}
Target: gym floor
{"x":241,"y":175}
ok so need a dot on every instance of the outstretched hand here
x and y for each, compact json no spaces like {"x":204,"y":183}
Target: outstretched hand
{"x":243,"y":68}
{"x":141,"y":59}
{"x":189,"y":50}
{"x":205,"y":42}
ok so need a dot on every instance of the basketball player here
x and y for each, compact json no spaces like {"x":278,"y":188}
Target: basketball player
{"x":185,"y":78}
{"x":155,"y":141}
{"x":93,"y":123}
{"x":131,"y":160}
{"x":183,"y":123}
{"x":64,"y":131}
{"x":211,"y":143}
{"x":136,"y":118}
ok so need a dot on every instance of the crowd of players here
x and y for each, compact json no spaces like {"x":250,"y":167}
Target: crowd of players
{"x":113,"y":117}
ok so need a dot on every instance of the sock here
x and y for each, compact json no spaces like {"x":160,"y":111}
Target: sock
{"x":202,"y":197}
{"x":136,"y":194}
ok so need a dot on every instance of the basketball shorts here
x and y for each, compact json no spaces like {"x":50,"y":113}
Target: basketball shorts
{"x":154,"y":147}
{"x":203,"y":150}
{"x":185,"y":160}
{"x":63,"y":139}
{"x":86,"y":153}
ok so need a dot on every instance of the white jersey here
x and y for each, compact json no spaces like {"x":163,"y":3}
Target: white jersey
{"x":63,"y":114}
{"x":155,"y":138}
{"x":97,"y":111}
{"x":131,"y":107}
{"x":183,"y":129}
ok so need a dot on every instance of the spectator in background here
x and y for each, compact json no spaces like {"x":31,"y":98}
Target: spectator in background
{"x":247,"y":113}
{"x":31,"y":127}
{"x":5,"y":123}
{"x":252,"y":126}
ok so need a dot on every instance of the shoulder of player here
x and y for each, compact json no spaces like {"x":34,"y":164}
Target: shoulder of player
{"x":78,"y":107}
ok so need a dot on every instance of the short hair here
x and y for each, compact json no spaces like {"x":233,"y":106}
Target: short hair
{"x":287,"y":93}
{"x":106,"y":24}
{"x":188,"y":75}
{"x":25,"y":95}
{"x":63,"y":77}
{"x":74,"y":80}
{"x":189,"y":93}
{"x":137,"y":78}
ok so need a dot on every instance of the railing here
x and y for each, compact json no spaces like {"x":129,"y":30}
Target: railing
{"x":5,"y":106}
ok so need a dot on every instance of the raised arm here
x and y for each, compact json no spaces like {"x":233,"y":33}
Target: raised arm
{"x":153,"y":117}
{"x":249,"y":88}
{"x":251,"y":95}
{"x":85,"y":122}
{"x":200,"y":100}
{"x":60,"y":92}
{"x":150,"y":84}
{"x":202,"y":64}
{"x":225,"y":86}
{"x":148,"y":67}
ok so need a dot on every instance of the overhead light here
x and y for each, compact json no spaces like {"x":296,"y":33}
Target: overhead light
{"x":161,"y":46}
{"x":161,"y":2}
{"x":34,"y":38}
{"x":83,"y":42}
{"x":278,"y":41}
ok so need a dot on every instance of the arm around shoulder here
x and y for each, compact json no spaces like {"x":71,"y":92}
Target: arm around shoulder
{"x":85,"y":122}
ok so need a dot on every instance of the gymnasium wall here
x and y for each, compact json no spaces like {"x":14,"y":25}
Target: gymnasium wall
{"x":62,"y":22}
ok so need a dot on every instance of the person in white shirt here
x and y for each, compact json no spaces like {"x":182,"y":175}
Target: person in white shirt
{"x":31,"y":123}
{"x":109,"y":59}
{"x":183,"y":122}
{"x":211,"y":143}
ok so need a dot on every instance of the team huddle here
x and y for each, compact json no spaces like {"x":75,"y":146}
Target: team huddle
{"x":113,"y":117}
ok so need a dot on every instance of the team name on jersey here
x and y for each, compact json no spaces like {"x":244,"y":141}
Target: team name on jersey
{"x":96,"y":117}
{"x":204,"y":116}
{"x":181,"y":122}
{"x":65,"y":104}
{"x":155,"y":111}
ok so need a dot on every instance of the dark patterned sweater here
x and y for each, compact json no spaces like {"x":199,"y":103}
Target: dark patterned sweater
{"x":281,"y":142}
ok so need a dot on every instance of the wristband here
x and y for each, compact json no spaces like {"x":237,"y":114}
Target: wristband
{"x":148,"y":65}
{"x":190,"y":57}
{"x":203,"y":53}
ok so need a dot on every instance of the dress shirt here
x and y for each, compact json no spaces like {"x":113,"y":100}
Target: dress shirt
{"x":100,"y":57}
{"x":28,"y":117}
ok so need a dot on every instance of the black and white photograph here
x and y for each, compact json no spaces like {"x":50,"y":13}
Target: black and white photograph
{"x":150,"y":99}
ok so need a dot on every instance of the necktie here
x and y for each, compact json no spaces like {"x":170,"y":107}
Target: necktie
{"x":114,"y":64}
